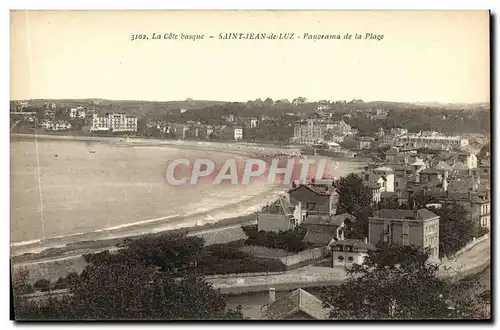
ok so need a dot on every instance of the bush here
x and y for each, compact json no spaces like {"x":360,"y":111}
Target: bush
{"x":238,"y":266}
{"x":226,"y":252}
{"x":290,"y":240}
{"x":43,"y":285}
{"x":481,"y":231}
{"x":65,"y":282}
{"x":228,"y":259}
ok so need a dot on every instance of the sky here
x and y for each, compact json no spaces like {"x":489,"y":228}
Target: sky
{"x":424,"y":56}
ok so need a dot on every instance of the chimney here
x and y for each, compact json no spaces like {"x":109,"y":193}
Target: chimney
{"x":272,"y":295}
{"x":445,"y":184}
{"x":415,"y":214}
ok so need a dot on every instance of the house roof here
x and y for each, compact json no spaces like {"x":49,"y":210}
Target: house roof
{"x":401,"y":167}
{"x":283,"y":204}
{"x":429,"y":171}
{"x":462,"y":185}
{"x":392,"y":152}
{"x":297,"y":301}
{"x":384,"y":169}
{"x":313,"y":237}
{"x":329,"y":220}
{"x":443,"y":166}
{"x":319,"y":190}
{"x":465,"y":196}
{"x":423,"y":214}
{"x":418,"y":162}
{"x":356,"y":243}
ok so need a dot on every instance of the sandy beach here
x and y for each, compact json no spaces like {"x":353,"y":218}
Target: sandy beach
{"x":225,"y":209}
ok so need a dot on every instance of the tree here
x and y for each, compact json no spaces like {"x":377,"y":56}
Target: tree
{"x":356,"y":199}
{"x":111,"y":290}
{"x":269,"y":102}
{"x":455,"y":228}
{"x":21,"y":282}
{"x":114,"y":287}
{"x":43,"y":285}
{"x":290,"y":240}
{"x":170,"y":252}
{"x":299,"y":100}
{"x":485,"y":151}
{"x":391,"y":203}
{"x":395,"y":282}
{"x":421,"y":198}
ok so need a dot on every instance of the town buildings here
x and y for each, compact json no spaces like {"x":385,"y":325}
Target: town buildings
{"x":238,"y":133}
{"x":297,"y":305}
{"x":365,"y":142}
{"x":78,"y":112}
{"x":379,"y":180}
{"x":114,"y":122}
{"x":406,"y":227}
{"x":347,"y":252}
{"x":59,"y":125}
{"x":427,"y":139}
{"x":309,"y":133}
{"x":318,"y":130}
{"x":233,"y":133}
{"x":323,"y":229}
{"x":315,"y":199}
{"x":254,"y":122}
{"x":280,"y":215}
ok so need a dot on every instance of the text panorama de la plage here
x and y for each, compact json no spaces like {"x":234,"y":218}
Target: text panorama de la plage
{"x":258,"y":36}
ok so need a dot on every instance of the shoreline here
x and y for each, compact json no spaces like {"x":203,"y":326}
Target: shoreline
{"x":79,"y":248}
{"x":61,"y":245}
{"x":218,"y":217}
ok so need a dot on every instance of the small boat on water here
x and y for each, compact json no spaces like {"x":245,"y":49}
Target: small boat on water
{"x":92,"y":151}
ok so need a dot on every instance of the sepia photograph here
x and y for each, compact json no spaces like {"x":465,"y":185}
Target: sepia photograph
{"x":320,"y":165}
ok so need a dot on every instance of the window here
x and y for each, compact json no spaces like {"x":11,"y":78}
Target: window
{"x":350,"y":259}
{"x":397,"y":184}
{"x":387,"y":227}
{"x":406,"y":228}
{"x":406,"y":240}
{"x":340,"y":258}
{"x":311,"y":206}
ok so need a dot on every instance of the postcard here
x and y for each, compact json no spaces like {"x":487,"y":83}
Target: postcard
{"x":250,"y":165}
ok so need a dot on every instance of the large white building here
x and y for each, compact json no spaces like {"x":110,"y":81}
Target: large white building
{"x":311,"y":132}
{"x":114,"y":122}
{"x":421,"y":140}
{"x":238,"y":133}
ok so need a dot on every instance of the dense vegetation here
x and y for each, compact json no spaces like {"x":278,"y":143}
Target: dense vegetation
{"x":277,"y":127}
{"x":113,"y":288}
{"x":290,"y":240}
{"x":355,"y":198}
{"x":151,"y":278}
{"x":397,"y":283}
